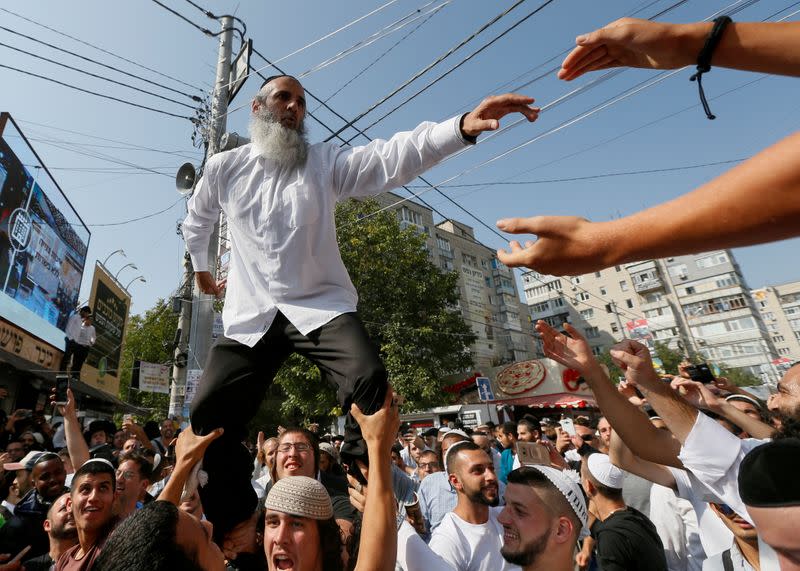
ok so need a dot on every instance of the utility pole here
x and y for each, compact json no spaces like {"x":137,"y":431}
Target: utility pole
{"x":619,"y":321}
{"x":197,"y":311}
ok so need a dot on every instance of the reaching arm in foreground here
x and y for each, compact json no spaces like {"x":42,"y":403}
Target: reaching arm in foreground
{"x":756,"y":202}
{"x":767,"y":47}
{"x":76,"y":445}
{"x":636,"y":430}
{"x":189,"y":450}
{"x":377,"y":550}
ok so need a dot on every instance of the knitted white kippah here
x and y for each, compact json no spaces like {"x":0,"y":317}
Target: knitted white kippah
{"x":301,"y":496}
{"x":452,"y":447}
{"x":568,"y":483}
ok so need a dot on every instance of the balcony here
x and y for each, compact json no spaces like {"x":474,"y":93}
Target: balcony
{"x":645,"y":284}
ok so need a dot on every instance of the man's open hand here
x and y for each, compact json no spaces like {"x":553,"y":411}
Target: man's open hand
{"x":486,"y":116}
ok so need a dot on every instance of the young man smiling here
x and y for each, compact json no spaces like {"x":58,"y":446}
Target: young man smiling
{"x":92,"y":503}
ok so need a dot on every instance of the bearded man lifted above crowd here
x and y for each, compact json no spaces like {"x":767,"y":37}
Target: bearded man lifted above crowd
{"x":288,"y":290}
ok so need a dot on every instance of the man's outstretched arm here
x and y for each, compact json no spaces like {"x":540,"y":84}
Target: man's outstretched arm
{"x":756,"y":202}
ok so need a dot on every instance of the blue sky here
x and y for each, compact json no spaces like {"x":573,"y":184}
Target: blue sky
{"x":646,"y":131}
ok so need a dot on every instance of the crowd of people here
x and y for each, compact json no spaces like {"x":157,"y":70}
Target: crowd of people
{"x":670,"y":473}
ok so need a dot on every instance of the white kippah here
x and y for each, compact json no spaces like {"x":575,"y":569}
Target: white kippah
{"x":568,"y":483}
{"x":453,"y":446}
{"x":604,"y":471}
{"x":300,"y":496}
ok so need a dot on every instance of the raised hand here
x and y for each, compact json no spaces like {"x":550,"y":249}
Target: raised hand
{"x":190,"y":448}
{"x":486,"y":116}
{"x":630,"y":42}
{"x":634,"y":358}
{"x":571,"y":351}
{"x":695,"y":393}
{"x":566,"y":245}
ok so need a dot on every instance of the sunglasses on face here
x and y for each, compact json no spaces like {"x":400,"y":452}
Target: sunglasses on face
{"x":725,"y":510}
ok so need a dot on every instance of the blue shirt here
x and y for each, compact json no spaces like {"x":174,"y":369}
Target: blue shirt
{"x":506,"y":464}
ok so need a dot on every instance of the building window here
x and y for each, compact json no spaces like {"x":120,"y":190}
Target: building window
{"x":576,"y":280}
{"x":583,"y":296}
{"x":597,"y":274}
{"x":654,"y":296}
{"x":597,"y":351}
{"x":678,"y":271}
{"x":602,"y":291}
{"x":540,"y":307}
{"x":778,"y":339}
{"x":711,"y":261}
{"x":689,"y":290}
{"x":614,"y":328}
{"x":587,"y":313}
{"x":629,"y":303}
{"x":623,"y":285}
{"x":407,"y":215}
{"x":609,"y":308}
{"x":618,"y":268}
{"x":783,"y":351}
{"x":769,"y":315}
{"x":727,"y":281}
{"x":443,"y":243}
{"x":591,"y":332}
{"x":558,"y":302}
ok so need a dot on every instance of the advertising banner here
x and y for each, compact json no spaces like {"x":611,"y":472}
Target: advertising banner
{"x":110,"y":305}
{"x":43,"y":244}
{"x":153,"y":377}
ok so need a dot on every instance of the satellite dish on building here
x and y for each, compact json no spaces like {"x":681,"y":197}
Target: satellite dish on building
{"x":185,"y":179}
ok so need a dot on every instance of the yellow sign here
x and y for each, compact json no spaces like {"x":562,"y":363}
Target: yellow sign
{"x":15,"y":341}
{"x":110,"y":306}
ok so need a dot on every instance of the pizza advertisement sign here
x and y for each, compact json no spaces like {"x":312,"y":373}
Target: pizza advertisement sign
{"x":535,"y":377}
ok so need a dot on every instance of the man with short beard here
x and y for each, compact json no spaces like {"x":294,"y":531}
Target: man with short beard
{"x":469,"y":538}
{"x":288,"y":290}
{"x":60,"y":529}
{"x":544,"y":514}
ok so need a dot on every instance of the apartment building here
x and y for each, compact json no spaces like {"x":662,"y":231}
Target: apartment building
{"x":489,"y":300}
{"x":698,"y":303}
{"x":780,"y":310}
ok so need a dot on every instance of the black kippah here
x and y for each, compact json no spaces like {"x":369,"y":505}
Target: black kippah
{"x":271,"y":77}
{"x":768,"y":475}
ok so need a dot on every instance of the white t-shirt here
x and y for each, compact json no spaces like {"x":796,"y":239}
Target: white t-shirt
{"x":471,"y":547}
{"x":676,"y":525}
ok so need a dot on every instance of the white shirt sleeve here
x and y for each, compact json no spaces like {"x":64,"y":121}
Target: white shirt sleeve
{"x":714,"y":455}
{"x":73,"y":326}
{"x":386,"y":164}
{"x":203,"y":214}
{"x":413,"y":554}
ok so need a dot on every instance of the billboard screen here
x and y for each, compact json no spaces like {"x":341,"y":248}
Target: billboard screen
{"x":110,"y":305}
{"x":43,"y":243}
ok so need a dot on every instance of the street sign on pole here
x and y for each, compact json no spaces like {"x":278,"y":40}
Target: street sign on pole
{"x":240,"y":70}
{"x":485,"y":392}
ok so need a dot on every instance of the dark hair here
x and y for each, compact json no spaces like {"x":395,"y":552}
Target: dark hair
{"x":312,"y":440}
{"x":509,"y":427}
{"x":489,"y":424}
{"x":147,"y":541}
{"x":330,"y":544}
{"x":396,"y":447}
{"x":144,"y":464}
{"x":95,"y":467}
{"x":271,"y":77}
{"x":467,"y":445}
{"x":531,"y":423}
{"x":603,"y":490}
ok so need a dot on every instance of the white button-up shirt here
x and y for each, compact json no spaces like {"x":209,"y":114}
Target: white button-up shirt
{"x":284,"y":254}
{"x":82,"y":334}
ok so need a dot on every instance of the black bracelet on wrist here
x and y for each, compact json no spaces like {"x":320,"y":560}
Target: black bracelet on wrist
{"x":704,"y":59}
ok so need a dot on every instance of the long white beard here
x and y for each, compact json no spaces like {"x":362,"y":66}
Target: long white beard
{"x":287,"y":147}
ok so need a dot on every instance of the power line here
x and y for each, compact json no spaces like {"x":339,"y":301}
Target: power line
{"x":459,"y":64}
{"x":128,"y":145}
{"x":111,"y":67}
{"x":589,"y":177}
{"x":384,"y":54}
{"x":83,"y":71}
{"x":95,"y":93}
{"x":138,"y":218}
{"x":385,"y":31}
{"x":101,"y":49}
{"x":205,"y":31}
{"x":429,"y":66}
{"x":333,"y":33}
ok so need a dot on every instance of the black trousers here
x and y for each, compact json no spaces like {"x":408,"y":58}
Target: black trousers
{"x":78,"y":354}
{"x":234,"y":383}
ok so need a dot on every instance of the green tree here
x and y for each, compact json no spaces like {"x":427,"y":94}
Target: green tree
{"x":739,"y":377}
{"x":670,"y":358}
{"x":149,"y":338}
{"x":408,"y":306}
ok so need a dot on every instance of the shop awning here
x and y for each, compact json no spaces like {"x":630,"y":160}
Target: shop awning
{"x":556,"y":400}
